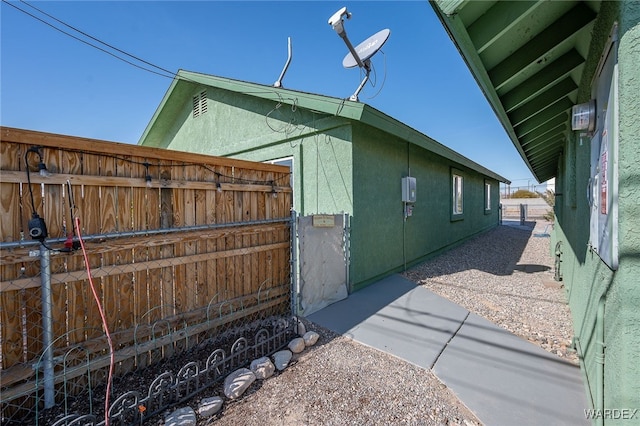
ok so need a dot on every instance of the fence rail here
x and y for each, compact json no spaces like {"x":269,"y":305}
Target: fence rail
{"x":179,"y":247}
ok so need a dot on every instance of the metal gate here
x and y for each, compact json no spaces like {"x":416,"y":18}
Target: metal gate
{"x":324,"y":261}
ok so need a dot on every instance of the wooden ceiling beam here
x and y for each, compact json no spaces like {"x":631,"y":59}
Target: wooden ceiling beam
{"x":537,"y":83}
{"x":556,"y":33}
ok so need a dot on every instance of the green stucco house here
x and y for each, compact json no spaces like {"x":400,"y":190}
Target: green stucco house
{"x":563,"y":77}
{"x":346,"y":157}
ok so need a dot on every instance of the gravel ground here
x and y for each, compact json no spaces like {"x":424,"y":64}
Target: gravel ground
{"x":504,"y":275}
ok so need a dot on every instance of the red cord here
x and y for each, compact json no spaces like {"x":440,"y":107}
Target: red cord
{"x":104,"y":324}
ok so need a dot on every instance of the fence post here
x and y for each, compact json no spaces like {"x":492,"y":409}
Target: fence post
{"x":294,"y":263}
{"x":347,"y":254}
{"x":47,"y":326}
{"x":523,"y":213}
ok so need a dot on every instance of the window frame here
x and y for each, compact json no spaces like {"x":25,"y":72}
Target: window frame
{"x":457,"y":197}
{"x":286,"y":161}
{"x":487,"y":196}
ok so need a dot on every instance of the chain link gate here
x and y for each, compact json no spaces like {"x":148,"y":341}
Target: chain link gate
{"x":323,"y":242}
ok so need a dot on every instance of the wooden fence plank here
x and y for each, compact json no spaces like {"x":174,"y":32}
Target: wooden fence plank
{"x":124,"y":220}
{"x":239,"y":266}
{"x":154,"y":279}
{"x":90,"y":221}
{"x":200,"y":207}
{"x":109,"y":224}
{"x":11,"y":329}
{"x":140,"y":279}
{"x":11,"y":333}
{"x":167,"y":217}
{"x":54,"y":213}
{"x":74,"y":262}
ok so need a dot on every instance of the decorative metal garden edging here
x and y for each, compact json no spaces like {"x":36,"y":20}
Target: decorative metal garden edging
{"x":169,"y":389}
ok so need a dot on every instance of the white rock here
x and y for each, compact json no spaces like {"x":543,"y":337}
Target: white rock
{"x":281,"y":359}
{"x":209,"y":406}
{"x":263,"y":368}
{"x":297,"y":345}
{"x":237,"y":382}
{"x":181,"y":417}
{"x":310,"y":338}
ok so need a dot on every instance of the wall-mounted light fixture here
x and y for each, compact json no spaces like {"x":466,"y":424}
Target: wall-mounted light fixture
{"x":147,"y":175}
{"x":37,"y":225}
{"x":583,"y":116}
{"x":42,"y":169}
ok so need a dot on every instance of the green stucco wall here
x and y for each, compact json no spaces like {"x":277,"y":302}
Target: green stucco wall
{"x":381,"y":240}
{"x":586,"y":277}
{"x":255,"y":129}
{"x":342,"y":166}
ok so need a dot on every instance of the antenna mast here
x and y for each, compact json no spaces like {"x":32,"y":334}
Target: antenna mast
{"x":286,"y":65}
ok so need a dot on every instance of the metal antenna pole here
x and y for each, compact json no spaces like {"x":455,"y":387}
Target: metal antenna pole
{"x":286,"y":65}
{"x":367,"y":69}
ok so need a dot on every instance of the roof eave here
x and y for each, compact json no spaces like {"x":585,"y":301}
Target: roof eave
{"x":381,"y":121}
{"x":356,"y":111}
{"x":460,"y":38}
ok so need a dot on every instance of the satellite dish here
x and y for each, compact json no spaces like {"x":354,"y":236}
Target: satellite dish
{"x":361,"y":55}
{"x":367,"y":48}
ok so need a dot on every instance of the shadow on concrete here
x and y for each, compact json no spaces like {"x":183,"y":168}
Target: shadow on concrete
{"x":502,"y":378}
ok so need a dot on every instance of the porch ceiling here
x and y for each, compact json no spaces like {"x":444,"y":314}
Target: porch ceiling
{"x":528,"y":57}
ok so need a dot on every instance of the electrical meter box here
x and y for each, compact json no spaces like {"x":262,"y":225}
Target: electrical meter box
{"x":408,"y":189}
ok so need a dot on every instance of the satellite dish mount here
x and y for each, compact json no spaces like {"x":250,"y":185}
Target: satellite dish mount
{"x":361,"y":54}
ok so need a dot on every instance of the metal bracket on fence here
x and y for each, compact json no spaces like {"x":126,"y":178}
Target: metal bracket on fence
{"x":215,"y":296}
{"x":153,"y":328}
{"x":221,"y":305}
{"x":260,"y":288}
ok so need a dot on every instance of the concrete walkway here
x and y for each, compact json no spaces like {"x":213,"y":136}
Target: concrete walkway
{"x":502,"y":378}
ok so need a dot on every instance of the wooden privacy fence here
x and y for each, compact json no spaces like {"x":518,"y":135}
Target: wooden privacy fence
{"x":174,"y":242}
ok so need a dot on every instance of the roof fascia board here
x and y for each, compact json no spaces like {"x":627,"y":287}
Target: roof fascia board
{"x":450,"y":7}
{"x":158,"y":110}
{"x":460,"y":38}
{"x":381,"y":121}
{"x":333,"y":106}
{"x":320,"y":103}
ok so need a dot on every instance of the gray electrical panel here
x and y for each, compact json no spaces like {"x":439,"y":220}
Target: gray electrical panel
{"x":408,"y":189}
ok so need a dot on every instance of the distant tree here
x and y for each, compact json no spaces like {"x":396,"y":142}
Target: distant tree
{"x":524,"y":193}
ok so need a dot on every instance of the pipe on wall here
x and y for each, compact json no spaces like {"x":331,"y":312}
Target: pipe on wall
{"x":600,"y":347}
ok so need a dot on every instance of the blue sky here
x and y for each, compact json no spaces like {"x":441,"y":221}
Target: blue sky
{"x":51,"y":82}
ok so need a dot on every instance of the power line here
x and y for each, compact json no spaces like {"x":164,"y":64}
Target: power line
{"x":164,"y":72}
{"x":96,"y":39}
{"x":170,"y":73}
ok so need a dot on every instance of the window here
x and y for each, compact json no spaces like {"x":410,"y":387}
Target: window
{"x":199,"y":104}
{"x":286,"y":161}
{"x":487,"y":197}
{"x":458,"y":192}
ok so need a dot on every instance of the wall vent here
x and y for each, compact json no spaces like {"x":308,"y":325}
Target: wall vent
{"x":199,"y":104}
